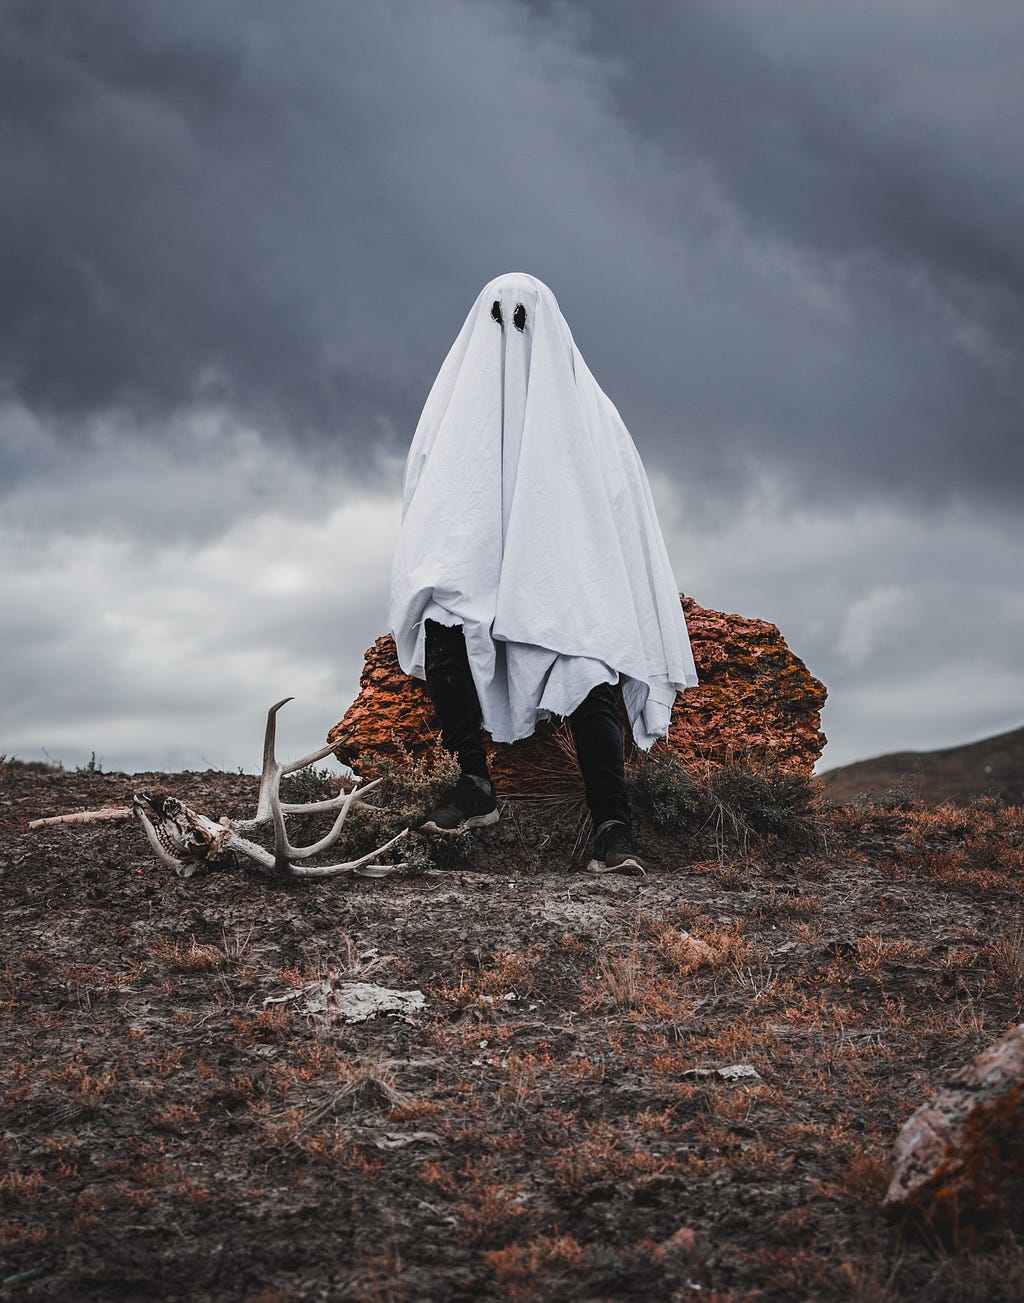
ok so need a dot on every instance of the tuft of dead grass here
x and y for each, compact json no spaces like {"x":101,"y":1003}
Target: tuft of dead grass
{"x":188,"y":956}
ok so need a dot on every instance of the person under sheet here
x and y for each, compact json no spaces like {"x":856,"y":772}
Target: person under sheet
{"x":530,"y":577}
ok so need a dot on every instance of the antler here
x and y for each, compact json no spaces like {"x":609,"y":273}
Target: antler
{"x":185,"y":839}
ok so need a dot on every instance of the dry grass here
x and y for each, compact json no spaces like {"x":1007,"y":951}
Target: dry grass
{"x":563,"y":1120}
{"x":189,"y":956}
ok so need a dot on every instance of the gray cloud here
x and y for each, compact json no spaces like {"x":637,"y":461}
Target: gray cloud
{"x":167,"y":655}
{"x":914,"y":620}
{"x":874,"y":147}
{"x":239,"y":239}
{"x":785,"y":237}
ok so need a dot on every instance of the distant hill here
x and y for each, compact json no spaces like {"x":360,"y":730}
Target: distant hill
{"x":993,"y":766}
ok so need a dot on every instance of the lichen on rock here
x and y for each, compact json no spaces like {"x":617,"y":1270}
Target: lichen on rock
{"x":959,"y":1160}
{"x":756,"y":700}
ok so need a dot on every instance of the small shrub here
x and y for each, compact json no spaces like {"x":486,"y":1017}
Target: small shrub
{"x":731,"y":802}
{"x":366,"y":1084}
{"x":900,"y":794}
{"x":412,"y":782}
{"x":309,"y":784}
{"x":768,"y":801}
{"x":409,"y":787}
{"x":522,"y":1270}
{"x":189,"y":956}
{"x":665,"y":793}
{"x":990,"y":802}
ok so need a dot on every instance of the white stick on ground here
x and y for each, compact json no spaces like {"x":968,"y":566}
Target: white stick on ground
{"x":110,"y":812}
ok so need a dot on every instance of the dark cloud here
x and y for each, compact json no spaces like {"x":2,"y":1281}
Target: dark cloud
{"x":787,"y":237}
{"x":877,"y":145}
{"x":169,"y":188}
{"x":876,"y":128}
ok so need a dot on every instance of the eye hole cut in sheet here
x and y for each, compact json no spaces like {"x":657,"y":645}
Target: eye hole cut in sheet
{"x":518,"y":316}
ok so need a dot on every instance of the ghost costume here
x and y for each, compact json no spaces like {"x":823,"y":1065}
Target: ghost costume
{"x":528,"y":520}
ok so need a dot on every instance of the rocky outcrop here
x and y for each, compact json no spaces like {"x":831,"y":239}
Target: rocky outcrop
{"x":960,"y":1158}
{"x":756,"y":699}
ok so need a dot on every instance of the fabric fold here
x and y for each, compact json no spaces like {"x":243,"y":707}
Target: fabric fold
{"x":528,"y":519}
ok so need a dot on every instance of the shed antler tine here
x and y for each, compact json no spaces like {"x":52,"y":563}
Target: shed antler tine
{"x":351,"y":866}
{"x":292,"y":765}
{"x":285,"y":853}
{"x":329,"y":749}
{"x":271,"y":769}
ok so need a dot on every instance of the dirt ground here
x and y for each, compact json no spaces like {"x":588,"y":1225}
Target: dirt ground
{"x":680,"y":1086}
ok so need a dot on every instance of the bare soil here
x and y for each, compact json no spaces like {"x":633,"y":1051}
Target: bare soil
{"x":553,"y":1124}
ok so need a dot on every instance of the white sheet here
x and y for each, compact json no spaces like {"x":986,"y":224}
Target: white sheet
{"x":527,"y":518}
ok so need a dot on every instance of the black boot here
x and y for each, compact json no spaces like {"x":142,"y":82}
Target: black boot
{"x":470,"y":804}
{"x":613,"y":851}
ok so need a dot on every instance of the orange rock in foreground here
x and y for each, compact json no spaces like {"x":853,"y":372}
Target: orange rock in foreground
{"x":755,"y":698}
{"x":959,"y":1158}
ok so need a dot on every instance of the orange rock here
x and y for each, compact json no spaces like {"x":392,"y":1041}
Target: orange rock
{"x":960,"y":1159}
{"x":755,"y":699}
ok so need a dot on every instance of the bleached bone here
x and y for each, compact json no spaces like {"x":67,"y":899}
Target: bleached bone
{"x":110,"y":812}
{"x":186,"y":839}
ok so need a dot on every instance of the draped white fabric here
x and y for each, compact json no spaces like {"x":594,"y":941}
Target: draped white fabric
{"x":527,"y":518}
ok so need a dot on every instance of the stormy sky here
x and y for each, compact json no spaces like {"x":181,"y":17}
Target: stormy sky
{"x":238,"y":237}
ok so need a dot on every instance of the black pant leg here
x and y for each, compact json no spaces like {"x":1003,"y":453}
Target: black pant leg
{"x":597,"y":733}
{"x":453,"y":692}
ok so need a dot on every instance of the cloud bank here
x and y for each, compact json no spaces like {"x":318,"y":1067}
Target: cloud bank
{"x":240,"y":238}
